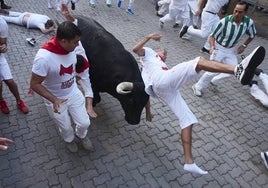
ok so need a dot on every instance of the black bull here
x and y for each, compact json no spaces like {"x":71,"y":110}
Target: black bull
{"x":111,"y":64}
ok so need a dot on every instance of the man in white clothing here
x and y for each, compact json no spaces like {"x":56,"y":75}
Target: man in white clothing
{"x":29,"y":20}
{"x":209,"y":19}
{"x":178,"y":11}
{"x":53,"y":77}
{"x":164,"y":83}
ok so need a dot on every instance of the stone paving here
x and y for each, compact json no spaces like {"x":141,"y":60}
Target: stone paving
{"x":231,"y":133}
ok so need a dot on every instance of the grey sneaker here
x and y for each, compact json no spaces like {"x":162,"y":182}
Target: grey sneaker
{"x":72,"y":147}
{"x":196,"y":91}
{"x":87,"y":144}
{"x":245,"y":70}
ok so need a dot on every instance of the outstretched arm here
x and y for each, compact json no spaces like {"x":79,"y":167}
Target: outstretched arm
{"x":138,"y":48}
{"x":66,"y":13}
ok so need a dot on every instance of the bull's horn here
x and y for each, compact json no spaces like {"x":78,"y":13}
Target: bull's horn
{"x":124,"y":88}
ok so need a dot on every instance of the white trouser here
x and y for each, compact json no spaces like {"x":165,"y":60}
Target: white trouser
{"x":130,"y":4}
{"x":68,"y":1}
{"x":74,"y":107}
{"x":193,"y":4}
{"x":208,"y":23}
{"x":58,"y":3}
{"x":177,"y":15}
{"x":220,"y":54}
{"x":163,"y":8}
{"x":14,"y":17}
{"x":94,"y":2}
{"x":166,"y":86}
{"x":257,"y":93}
{"x":5,"y":73}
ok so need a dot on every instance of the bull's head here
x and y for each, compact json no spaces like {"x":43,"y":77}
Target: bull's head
{"x":133,"y":99}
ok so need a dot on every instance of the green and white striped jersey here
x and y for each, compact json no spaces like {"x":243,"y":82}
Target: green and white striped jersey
{"x":227,"y":33}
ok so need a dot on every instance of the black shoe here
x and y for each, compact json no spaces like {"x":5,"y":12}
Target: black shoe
{"x":183,"y":30}
{"x":195,"y":27}
{"x":258,"y":71}
{"x":245,"y":70}
{"x":176,"y":25}
{"x":73,"y":5}
{"x":4,"y":6}
{"x":156,"y":6}
{"x":204,"y":50}
{"x":253,"y":82}
{"x":159,"y":15}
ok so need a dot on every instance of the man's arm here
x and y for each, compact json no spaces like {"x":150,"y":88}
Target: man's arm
{"x":138,"y":48}
{"x":212,"y":44}
{"x":45,"y":31}
{"x":3,"y":45}
{"x":66,"y":13}
{"x":241,"y":48}
{"x":201,"y":4}
{"x":35,"y":84}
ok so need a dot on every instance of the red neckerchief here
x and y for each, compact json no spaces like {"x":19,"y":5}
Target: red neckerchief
{"x":53,"y":45}
{"x":160,"y":57}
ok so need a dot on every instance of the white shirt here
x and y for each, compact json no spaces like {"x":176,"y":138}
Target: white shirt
{"x":37,"y":21}
{"x":152,"y":66}
{"x":48,"y":65}
{"x":215,"y":5}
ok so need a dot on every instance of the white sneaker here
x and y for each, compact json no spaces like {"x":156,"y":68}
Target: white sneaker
{"x":245,"y":70}
{"x":264,"y":157}
{"x":258,"y":94}
{"x":196,"y":91}
{"x":264,"y":79}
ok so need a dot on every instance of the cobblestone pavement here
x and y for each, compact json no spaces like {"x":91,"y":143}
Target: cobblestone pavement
{"x":231,"y":133}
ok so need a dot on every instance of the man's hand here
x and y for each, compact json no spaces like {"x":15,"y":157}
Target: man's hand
{"x":155,"y":36}
{"x":4,"y":143}
{"x":57,"y":103}
{"x":240,"y":49}
{"x":3,"y":48}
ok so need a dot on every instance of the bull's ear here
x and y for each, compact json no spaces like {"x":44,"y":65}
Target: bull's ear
{"x":124,"y":88}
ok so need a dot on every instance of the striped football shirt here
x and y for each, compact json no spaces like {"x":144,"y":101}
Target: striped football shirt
{"x":227,"y":33}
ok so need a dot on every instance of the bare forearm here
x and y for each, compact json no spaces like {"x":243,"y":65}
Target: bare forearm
{"x":141,"y":44}
{"x":42,"y":91}
{"x":138,"y":48}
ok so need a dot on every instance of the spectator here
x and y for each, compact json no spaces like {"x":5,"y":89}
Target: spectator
{"x":130,"y":5}
{"x":5,"y":73}
{"x":223,"y":41}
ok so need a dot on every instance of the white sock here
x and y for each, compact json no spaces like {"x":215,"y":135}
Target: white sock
{"x":194,"y":169}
